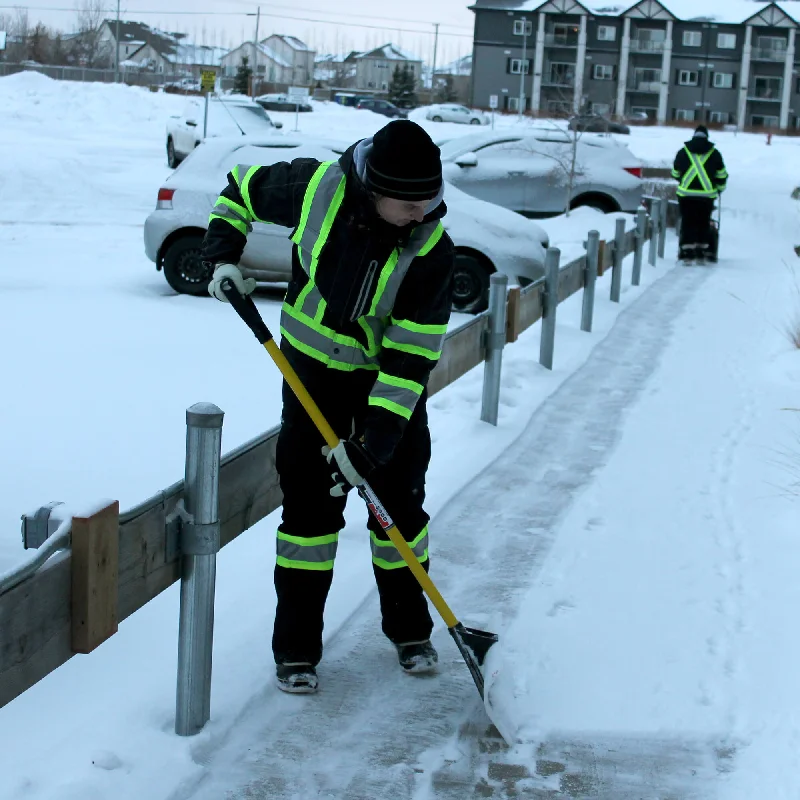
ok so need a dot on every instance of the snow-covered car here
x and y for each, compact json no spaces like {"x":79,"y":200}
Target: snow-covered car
{"x":184,"y":85}
{"x":452,"y":112}
{"x":487,"y":238}
{"x":227,"y":116}
{"x":530,"y":173}
{"x":281,"y":102}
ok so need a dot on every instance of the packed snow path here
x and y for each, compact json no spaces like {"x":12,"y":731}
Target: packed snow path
{"x":381,"y":734}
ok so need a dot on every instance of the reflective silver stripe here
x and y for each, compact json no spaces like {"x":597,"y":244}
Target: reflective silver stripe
{"x":432,"y":342}
{"x":320,"y":205}
{"x":311,"y":301}
{"x":330,"y":349}
{"x":396,"y":395}
{"x":384,"y":551}
{"x":313,"y":553}
{"x":223,"y":210}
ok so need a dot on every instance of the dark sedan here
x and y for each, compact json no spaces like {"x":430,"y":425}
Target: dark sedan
{"x":382,"y":107}
{"x":594,"y":123}
{"x":281,"y":102}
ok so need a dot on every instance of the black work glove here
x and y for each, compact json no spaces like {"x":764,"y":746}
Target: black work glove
{"x":352,"y":465}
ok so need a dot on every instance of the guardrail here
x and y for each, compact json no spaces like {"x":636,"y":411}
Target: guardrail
{"x":96,"y":568}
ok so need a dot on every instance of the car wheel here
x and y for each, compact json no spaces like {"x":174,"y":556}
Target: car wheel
{"x":183,"y":267}
{"x":436,"y":118}
{"x":474,"y":122}
{"x":600,"y":202}
{"x":470,"y":285}
{"x":172,"y":158}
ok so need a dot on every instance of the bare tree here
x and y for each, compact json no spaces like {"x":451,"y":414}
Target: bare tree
{"x":17,"y":28}
{"x":90,"y":15}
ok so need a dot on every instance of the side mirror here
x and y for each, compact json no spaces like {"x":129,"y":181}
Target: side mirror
{"x":467,"y":160}
{"x":191,"y":123}
{"x":278,"y":124}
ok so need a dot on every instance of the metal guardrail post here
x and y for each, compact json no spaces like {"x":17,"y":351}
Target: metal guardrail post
{"x":619,"y":256}
{"x":496,"y":340}
{"x":655,"y":222}
{"x":550,"y":303}
{"x":590,"y":279}
{"x":641,"y":228}
{"x":200,"y":543}
{"x":662,"y":229}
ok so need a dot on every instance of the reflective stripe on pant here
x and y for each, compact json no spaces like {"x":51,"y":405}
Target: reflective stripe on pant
{"x":311,"y":518}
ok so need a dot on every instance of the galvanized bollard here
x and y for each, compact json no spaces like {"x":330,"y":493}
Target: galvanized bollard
{"x":200,"y":543}
{"x":550,"y":303}
{"x":590,"y":279}
{"x":495,"y":342}
{"x":619,"y":255}
{"x":662,"y":229}
{"x":655,"y":221}
{"x":641,"y":226}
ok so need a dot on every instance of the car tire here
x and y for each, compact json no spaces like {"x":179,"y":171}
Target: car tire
{"x":599,"y":202}
{"x":474,"y":122}
{"x":470,"y":285}
{"x":436,"y":119}
{"x":183,"y":267}
{"x":172,"y":157}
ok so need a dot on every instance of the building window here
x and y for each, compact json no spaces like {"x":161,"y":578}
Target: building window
{"x":688,"y":77}
{"x":772,"y":43}
{"x":686,"y":114}
{"x":512,"y":103}
{"x":523,"y":27}
{"x":515,"y":66}
{"x":722,"y":117}
{"x":761,"y":121}
{"x":723,"y":80}
{"x":607,"y":33}
{"x":726,"y":41}
{"x":602,"y":109}
{"x":767,"y":88}
{"x":603,"y":72}
{"x":692,"y":38}
{"x":562,"y":74}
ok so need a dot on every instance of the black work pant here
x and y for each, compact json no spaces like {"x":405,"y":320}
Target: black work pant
{"x":696,"y":221}
{"x":309,"y":511}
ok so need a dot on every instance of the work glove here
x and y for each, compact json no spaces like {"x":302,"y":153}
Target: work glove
{"x":353,"y":465}
{"x":231,"y":272}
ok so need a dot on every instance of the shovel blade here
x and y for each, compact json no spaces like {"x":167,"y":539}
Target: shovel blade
{"x":473,"y":645}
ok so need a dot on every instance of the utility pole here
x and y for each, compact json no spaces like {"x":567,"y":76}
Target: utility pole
{"x":433,"y":68}
{"x":256,"y":52}
{"x":523,"y":67}
{"x":116,"y":57}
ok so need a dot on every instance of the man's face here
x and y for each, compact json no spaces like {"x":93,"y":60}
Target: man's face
{"x":401,"y":212}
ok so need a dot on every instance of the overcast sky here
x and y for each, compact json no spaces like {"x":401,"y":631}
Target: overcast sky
{"x":408,"y":23}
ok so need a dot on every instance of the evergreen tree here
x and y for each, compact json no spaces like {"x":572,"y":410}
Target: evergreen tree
{"x":403,"y":87}
{"x":241,"y":83}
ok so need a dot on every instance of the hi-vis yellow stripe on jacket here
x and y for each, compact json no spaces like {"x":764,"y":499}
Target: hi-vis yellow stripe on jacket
{"x":696,"y":182}
{"x":301,"y":321}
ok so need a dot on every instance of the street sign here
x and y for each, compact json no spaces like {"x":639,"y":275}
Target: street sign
{"x":297,"y":94}
{"x":492,"y":101}
{"x":208,"y":79}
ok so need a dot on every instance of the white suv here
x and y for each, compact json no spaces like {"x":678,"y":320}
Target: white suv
{"x":227,"y":116}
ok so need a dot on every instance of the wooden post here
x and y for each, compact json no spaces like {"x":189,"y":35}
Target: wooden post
{"x":512,"y":315}
{"x":95,"y":566}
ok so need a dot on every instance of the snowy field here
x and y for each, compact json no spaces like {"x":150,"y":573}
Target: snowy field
{"x":629,"y":528}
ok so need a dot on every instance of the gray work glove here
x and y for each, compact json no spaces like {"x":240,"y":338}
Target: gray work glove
{"x":230,"y":271}
{"x":353,"y":465}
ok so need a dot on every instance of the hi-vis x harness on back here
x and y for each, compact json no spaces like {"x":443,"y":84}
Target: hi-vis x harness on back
{"x":697,"y":171}
{"x":301,"y":321}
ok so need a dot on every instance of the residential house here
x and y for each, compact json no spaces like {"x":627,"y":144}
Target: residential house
{"x":455,"y":78}
{"x":374,"y":68}
{"x":733,"y":61}
{"x":334,"y":71}
{"x":297,"y":54}
{"x":267,"y":64}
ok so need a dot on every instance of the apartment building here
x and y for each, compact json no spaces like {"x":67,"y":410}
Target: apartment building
{"x":726,"y":61}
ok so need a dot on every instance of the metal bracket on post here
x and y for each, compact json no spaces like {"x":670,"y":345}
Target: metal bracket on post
{"x":494,"y":342}
{"x":662,"y":229}
{"x":619,"y":254}
{"x":641,"y":225}
{"x":549,"y":307}
{"x":655,"y":221}
{"x":38,"y":527}
{"x":589,"y":280}
{"x":198,"y":536}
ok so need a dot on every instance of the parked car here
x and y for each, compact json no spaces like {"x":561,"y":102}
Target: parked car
{"x":281,"y":102}
{"x":529,"y":173}
{"x":452,"y":112}
{"x":382,"y":107}
{"x":184,"y":85}
{"x":227,"y":116}
{"x":596,"y":123}
{"x":638,"y":118}
{"x":487,"y":238}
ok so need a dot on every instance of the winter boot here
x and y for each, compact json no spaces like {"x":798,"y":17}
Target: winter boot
{"x":296,"y":678}
{"x":417,"y":657}
{"x":687,"y":254}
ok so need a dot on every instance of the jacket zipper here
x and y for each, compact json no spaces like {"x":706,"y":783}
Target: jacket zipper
{"x":363,"y":295}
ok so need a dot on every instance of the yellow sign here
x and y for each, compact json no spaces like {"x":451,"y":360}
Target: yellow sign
{"x":208,"y":79}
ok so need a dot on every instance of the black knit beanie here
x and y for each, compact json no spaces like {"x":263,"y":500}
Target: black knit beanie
{"x":701,"y":132}
{"x":404,"y":163}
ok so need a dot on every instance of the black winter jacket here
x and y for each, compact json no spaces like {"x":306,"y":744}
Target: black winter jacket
{"x":358,"y":238}
{"x":715,"y":166}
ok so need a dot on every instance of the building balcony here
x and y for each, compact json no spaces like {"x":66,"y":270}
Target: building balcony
{"x":560,"y":81}
{"x":768,"y":54}
{"x":560,"y":40}
{"x":646,"y":87}
{"x":646,"y":46}
{"x":763,"y":95}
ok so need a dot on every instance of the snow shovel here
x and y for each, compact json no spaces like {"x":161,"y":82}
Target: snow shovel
{"x":473,"y":644}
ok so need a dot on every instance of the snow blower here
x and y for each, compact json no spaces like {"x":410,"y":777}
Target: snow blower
{"x":472,"y":644}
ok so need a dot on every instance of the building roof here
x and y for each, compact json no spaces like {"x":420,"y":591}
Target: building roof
{"x":461,"y":66}
{"x":265,"y":50}
{"x":292,"y":41}
{"x":733,"y":12}
{"x":387,"y":51}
